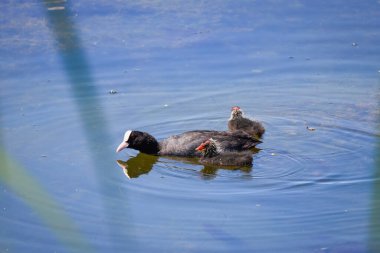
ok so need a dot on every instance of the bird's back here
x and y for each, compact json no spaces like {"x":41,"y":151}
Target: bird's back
{"x":185,"y":144}
{"x":251,"y":127}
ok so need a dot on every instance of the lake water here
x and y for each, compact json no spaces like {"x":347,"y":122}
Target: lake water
{"x":76,"y":75}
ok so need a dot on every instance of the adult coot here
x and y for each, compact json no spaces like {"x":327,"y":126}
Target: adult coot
{"x":238,"y":122}
{"x":185,"y":144}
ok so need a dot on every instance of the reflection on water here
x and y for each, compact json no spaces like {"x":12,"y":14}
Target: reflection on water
{"x":136,"y":166}
{"x":294,"y":65}
{"x":210,"y":172}
{"x":143,"y":164}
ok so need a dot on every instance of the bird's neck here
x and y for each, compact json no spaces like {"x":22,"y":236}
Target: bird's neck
{"x":146,"y":143}
{"x":235,"y":115}
{"x":211,"y":151}
{"x":153,"y":148}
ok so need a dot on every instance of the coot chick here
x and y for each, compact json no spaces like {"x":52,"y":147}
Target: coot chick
{"x":184,"y":144}
{"x":238,"y":122}
{"x":212,"y":154}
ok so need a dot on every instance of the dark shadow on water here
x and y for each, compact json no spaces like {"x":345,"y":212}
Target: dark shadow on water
{"x":84,"y":93}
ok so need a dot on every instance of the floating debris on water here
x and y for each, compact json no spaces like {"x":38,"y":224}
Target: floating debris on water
{"x":354,"y":44}
{"x":166,"y":105}
{"x":310,"y":128}
{"x":56,"y":8}
{"x":273,"y":154}
{"x":112,"y":92}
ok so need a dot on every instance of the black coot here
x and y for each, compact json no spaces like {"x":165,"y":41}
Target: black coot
{"x":185,"y":144}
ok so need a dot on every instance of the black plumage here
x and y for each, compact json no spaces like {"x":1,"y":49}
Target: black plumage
{"x":185,"y":144}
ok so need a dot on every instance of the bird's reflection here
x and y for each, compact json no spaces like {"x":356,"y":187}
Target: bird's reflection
{"x":143,"y":164}
{"x":210,"y":172}
{"x":138,"y":165}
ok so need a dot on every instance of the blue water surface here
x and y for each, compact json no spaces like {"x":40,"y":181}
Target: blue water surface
{"x":75,"y":75}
